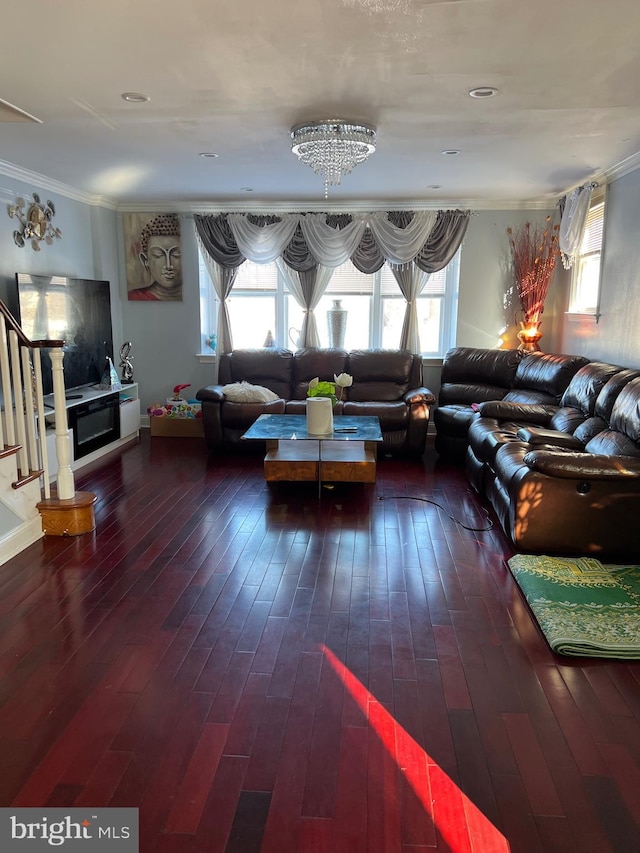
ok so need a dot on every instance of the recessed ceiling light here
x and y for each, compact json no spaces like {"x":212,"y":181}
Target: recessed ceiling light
{"x":450,"y":152}
{"x":247,"y":189}
{"x":208,"y":154}
{"x":483,"y":92}
{"x":434,"y":187}
{"x":135,"y":97}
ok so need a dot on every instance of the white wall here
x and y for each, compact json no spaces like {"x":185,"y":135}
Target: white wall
{"x":74,"y":254}
{"x":85,"y":250}
{"x":616,"y":337}
{"x":165,"y":336}
{"x":485,"y":279}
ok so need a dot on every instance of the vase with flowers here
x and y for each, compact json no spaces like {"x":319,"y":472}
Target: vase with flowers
{"x":322,"y":398}
{"x":534,"y":252}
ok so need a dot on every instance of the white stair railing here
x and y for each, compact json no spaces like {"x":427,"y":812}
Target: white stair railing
{"x":23,"y":419}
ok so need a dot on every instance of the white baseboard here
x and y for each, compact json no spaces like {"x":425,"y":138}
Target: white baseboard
{"x":16,"y":540}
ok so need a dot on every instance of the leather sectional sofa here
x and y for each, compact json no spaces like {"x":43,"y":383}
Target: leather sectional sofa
{"x":563,"y":474}
{"x":386,"y":383}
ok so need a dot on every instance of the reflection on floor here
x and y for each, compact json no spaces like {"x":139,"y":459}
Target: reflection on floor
{"x":260,"y":670}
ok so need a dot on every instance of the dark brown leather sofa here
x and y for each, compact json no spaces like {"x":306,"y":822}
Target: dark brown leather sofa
{"x":472,"y":376}
{"x":386,"y":383}
{"x":563,"y":477}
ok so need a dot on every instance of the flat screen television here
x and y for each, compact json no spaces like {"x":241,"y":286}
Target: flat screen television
{"x":75,"y":310}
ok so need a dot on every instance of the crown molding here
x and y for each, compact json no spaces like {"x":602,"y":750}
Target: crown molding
{"x":42,"y":182}
{"x":618,"y":170}
{"x":266,"y":207}
{"x":610,"y":174}
{"x":624,"y":167}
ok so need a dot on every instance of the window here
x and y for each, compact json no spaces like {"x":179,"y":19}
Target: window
{"x":585,"y":280}
{"x":260,"y":304}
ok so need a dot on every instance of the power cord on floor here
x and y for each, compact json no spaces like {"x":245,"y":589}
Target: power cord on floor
{"x":440,"y":507}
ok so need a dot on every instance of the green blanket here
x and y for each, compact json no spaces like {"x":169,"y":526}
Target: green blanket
{"x":582,"y":606}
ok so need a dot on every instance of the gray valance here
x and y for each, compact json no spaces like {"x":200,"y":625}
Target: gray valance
{"x":305,"y":241}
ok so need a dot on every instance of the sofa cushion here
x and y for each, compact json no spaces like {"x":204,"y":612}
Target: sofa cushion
{"x":311,"y":363}
{"x":589,"y":429}
{"x":240,"y":416}
{"x":587,"y":383}
{"x":393,"y":415}
{"x":625,"y":415}
{"x":245,"y":392}
{"x":609,"y":394}
{"x":454,"y":420}
{"x":470,"y":366}
{"x":622,"y":438}
{"x":547,"y":373}
{"x":462,"y":393}
{"x":380,"y":375}
{"x":271,"y":368}
{"x":567,"y":419}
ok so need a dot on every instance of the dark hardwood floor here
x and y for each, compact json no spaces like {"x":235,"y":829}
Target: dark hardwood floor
{"x":260,"y":670}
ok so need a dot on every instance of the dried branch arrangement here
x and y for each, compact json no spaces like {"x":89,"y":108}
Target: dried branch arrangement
{"x":534,"y":252}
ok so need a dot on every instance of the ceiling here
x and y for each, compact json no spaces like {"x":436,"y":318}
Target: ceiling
{"x":231,"y":78}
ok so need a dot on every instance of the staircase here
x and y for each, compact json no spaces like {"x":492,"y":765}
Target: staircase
{"x":28,"y":508}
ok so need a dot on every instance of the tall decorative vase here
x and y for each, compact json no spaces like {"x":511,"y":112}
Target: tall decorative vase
{"x":319,"y":416}
{"x":529,"y":335}
{"x":337,"y":322}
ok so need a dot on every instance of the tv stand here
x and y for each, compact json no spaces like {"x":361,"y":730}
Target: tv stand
{"x":100,"y":420}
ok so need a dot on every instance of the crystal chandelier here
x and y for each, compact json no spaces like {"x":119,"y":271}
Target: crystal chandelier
{"x":333,"y":147}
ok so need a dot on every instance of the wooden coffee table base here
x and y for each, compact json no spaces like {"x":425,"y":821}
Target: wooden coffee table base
{"x":320,"y":461}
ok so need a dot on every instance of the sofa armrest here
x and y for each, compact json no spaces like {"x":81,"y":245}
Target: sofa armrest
{"x":569,"y":465}
{"x":536,"y":436}
{"x":211,"y":397}
{"x":502,"y":410}
{"x":212,"y":394}
{"x":419,"y":395}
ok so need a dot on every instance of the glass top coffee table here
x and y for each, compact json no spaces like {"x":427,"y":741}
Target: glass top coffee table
{"x":347,"y":455}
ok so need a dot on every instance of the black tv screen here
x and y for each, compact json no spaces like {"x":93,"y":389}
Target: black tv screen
{"x":75,"y":310}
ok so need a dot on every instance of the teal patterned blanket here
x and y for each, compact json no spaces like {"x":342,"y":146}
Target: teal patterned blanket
{"x":582,"y":606}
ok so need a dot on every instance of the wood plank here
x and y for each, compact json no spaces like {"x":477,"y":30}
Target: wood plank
{"x":173,"y":660}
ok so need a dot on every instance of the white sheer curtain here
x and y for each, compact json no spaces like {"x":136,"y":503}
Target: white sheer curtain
{"x":574,"y":218}
{"x":401,"y":245}
{"x":411,"y":280}
{"x":222,"y":279}
{"x":262,"y":244}
{"x":307,"y":289}
{"x":331,"y":247}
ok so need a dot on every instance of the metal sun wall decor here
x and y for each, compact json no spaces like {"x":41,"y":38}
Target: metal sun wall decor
{"x":36,"y":222}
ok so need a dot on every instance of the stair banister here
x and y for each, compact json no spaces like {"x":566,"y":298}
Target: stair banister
{"x":22,"y":400}
{"x":67,"y":513}
{"x":18,"y":405}
{"x":8,"y":431}
{"x":66,"y":486}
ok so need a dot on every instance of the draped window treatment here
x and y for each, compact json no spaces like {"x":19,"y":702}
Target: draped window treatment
{"x":307,"y":288}
{"x":411,"y":280}
{"x":330,"y":246}
{"x":575,"y":207}
{"x":310,"y":244}
{"x":401,"y":245}
{"x":222,"y":279}
{"x":262,"y":243}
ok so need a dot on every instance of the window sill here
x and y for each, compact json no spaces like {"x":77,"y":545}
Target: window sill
{"x":581,"y":316}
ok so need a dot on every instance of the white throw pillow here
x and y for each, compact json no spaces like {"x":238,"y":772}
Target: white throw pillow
{"x":245,"y":392}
